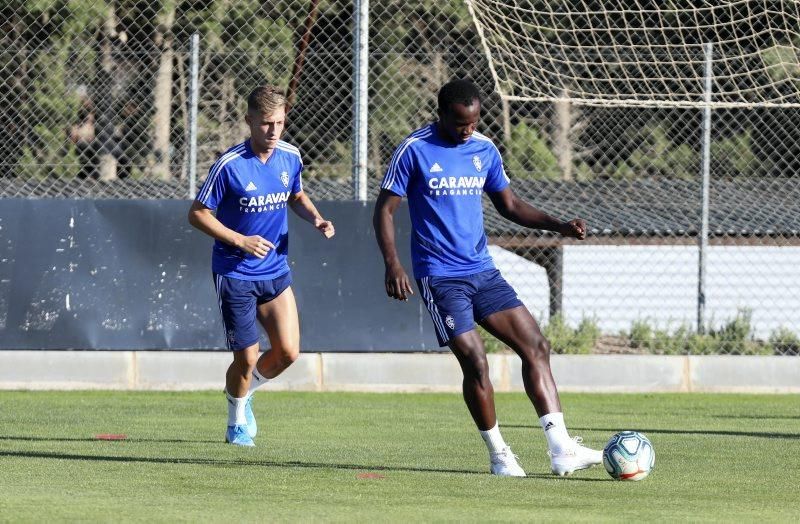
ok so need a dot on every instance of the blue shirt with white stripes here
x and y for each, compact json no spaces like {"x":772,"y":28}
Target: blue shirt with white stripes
{"x":250,"y":197}
{"x":444,"y":183}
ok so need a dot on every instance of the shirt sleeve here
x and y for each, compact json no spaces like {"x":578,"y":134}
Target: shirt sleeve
{"x":400,"y":170}
{"x":213,"y":189}
{"x":496,"y":178}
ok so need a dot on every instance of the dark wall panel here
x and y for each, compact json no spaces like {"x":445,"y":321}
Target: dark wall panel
{"x":132,"y":274}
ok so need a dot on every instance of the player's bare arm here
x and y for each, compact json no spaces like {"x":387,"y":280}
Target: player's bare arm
{"x":397,"y":283}
{"x":203,"y":219}
{"x":510,"y":206}
{"x":305,"y":209}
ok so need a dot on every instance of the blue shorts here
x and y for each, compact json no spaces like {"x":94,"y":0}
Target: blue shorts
{"x":456,"y":303}
{"x":237,"y":303}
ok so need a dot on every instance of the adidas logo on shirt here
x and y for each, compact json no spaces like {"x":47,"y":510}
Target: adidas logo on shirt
{"x":436,"y":168}
{"x":250,"y":187}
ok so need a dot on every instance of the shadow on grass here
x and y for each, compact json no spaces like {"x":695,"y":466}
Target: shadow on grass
{"x":263,"y":463}
{"x":727,"y":433}
{"x":24,"y":438}
{"x":759,"y":417}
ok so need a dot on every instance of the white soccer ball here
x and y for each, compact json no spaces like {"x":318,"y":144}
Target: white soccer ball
{"x":629,"y":455}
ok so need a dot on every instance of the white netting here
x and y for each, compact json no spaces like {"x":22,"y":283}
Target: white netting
{"x":643,"y":52}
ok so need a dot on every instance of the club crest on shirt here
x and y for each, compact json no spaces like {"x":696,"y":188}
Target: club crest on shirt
{"x":451,"y":323}
{"x":285,"y":179}
{"x":476,"y":161}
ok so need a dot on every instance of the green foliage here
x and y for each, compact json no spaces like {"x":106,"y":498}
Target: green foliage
{"x":398,"y":105}
{"x":658,"y":156}
{"x":415,"y":47}
{"x":781,"y":63}
{"x":733,"y":338}
{"x":736,"y":336}
{"x":733,"y":156}
{"x":784,"y":342}
{"x":565,"y":339}
{"x":528,"y":155}
{"x":338,"y":165}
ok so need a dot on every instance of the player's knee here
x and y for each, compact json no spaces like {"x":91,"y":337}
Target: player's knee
{"x":540,"y":348}
{"x":289,"y":355}
{"x":477,"y":369}
{"x":245,"y":361}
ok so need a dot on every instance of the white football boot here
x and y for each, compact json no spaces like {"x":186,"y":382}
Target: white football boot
{"x":504,"y":463}
{"x":574,"y":458}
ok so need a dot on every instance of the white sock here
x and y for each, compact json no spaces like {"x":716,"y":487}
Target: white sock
{"x":494,"y":440}
{"x":236,"y":410}
{"x":256,"y":381}
{"x":555,"y":432}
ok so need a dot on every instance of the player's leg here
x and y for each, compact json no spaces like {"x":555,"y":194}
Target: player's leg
{"x":479,"y":396}
{"x":449,"y":303}
{"x":277,"y":314}
{"x":238,"y":308}
{"x":476,"y":386}
{"x":241,"y":423}
{"x":517,"y":328}
{"x":508,"y":320}
{"x":280,"y":321}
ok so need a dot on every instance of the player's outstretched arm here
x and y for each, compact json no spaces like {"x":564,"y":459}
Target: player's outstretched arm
{"x":203,"y":219}
{"x":510,"y":206}
{"x":396,"y":280}
{"x":305,"y":209}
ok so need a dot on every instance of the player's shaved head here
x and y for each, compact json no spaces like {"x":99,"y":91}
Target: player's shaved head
{"x":459,"y":91}
{"x":265,"y":99}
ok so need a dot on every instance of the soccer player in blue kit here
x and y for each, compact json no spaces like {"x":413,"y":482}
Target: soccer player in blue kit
{"x":242,"y":205}
{"x":443,"y":169}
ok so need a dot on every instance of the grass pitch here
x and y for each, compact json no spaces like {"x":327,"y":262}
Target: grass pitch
{"x":386,"y":457}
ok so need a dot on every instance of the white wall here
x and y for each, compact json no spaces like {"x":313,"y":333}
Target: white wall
{"x":617,"y":285}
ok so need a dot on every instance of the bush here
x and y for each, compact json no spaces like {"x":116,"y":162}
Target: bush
{"x":567,"y":340}
{"x":733,"y":338}
{"x":528,"y":155}
{"x":784,"y":342}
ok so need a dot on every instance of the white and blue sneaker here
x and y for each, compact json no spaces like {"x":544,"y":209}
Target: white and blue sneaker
{"x":252,"y":426}
{"x":238,"y":436}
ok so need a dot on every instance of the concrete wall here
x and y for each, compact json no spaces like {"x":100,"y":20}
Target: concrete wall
{"x":416,"y":372}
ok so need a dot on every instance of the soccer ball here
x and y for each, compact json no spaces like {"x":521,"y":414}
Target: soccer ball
{"x":629,"y":456}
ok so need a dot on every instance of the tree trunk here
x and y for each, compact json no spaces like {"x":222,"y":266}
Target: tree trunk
{"x":506,"y":114}
{"x":162,"y":93}
{"x":107,"y":159}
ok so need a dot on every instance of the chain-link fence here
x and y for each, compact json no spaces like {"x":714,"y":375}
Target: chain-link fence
{"x":94,"y":100}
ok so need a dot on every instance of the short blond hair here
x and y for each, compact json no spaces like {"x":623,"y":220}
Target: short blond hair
{"x":265,"y":99}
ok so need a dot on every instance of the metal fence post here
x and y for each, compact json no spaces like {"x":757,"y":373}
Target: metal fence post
{"x":360,"y":97}
{"x":193,"y":100}
{"x":706,"y":166}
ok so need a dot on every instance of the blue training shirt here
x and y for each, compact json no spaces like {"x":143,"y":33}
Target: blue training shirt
{"x":444,"y":183}
{"x":251,"y":198}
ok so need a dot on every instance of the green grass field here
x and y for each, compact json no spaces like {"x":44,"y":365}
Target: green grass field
{"x":718,"y":458}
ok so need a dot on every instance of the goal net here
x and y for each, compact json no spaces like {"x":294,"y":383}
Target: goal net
{"x":643,"y":52}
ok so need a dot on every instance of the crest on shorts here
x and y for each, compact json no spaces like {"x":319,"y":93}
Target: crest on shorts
{"x":285,"y":179}
{"x":451,"y":323}
{"x":476,"y":161}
